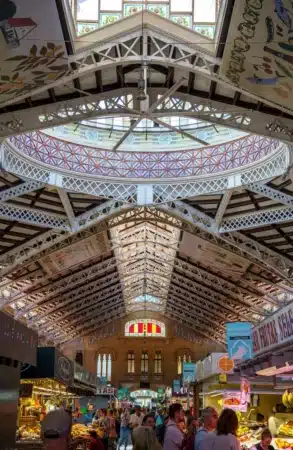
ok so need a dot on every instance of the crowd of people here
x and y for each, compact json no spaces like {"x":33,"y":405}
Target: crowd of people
{"x":177,"y":430}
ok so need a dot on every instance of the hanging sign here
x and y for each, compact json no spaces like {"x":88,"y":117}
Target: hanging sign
{"x":105,"y":391}
{"x":232,"y":400}
{"x":239,"y":340}
{"x":188,"y":372}
{"x":275,"y":330}
{"x":244,"y":390}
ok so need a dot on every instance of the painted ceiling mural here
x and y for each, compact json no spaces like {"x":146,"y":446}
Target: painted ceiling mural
{"x":259,"y":51}
{"x":32,"y":50}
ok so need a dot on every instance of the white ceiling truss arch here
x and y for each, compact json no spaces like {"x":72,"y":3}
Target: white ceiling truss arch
{"x":81,"y":250}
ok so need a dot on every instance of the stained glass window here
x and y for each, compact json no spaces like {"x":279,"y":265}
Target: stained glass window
{"x":200,"y":15}
{"x":145,"y":327}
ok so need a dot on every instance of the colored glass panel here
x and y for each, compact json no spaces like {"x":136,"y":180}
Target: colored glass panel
{"x":145,"y":327}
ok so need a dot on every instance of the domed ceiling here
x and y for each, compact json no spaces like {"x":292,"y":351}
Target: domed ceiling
{"x":138,"y":180}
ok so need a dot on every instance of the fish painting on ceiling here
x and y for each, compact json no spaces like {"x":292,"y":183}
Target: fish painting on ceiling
{"x":259,"y":51}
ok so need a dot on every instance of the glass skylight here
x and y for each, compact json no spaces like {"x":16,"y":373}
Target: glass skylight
{"x":147,"y":298}
{"x":199,"y":15}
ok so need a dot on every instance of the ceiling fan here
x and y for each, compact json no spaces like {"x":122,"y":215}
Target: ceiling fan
{"x":148,"y":110}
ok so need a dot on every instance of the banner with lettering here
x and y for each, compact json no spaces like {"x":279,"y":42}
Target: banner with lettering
{"x":259,"y":49}
{"x":275,"y":330}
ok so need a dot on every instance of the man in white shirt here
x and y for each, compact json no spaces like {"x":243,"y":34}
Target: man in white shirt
{"x":136,"y":418}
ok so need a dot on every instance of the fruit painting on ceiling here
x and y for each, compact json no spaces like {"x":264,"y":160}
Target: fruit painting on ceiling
{"x":259,"y":50}
{"x":32,"y":50}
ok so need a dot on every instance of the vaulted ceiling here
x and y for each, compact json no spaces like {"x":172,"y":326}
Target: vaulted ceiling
{"x":87,"y":236}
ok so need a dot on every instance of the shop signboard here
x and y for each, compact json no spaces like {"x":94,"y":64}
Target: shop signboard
{"x":209,"y":366}
{"x":105,"y":390}
{"x":64,"y":370}
{"x":83,"y":376}
{"x":188,"y":372}
{"x":232,"y":400}
{"x":17,"y":341}
{"x":239,"y":340}
{"x":176,"y":385}
{"x":244,"y":390}
{"x":274,"y":331}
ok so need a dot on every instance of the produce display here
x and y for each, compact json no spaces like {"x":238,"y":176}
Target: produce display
{"x":287,"y":399}
{"x":286,"y":429}
{"x":283,"y":444}
{"x":79,"y":430}
{"x":29,"y":432}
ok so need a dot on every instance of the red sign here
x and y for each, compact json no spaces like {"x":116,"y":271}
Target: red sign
{"x":276,"y":330}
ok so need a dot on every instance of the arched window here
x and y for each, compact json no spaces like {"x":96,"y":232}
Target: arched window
{"x":130,"y":362}
{"x":185,"y":357}
{"x":158,"y":362}
{"x":144,"y":363}
{"x":104,"y":366}
{"x":145,"y":327}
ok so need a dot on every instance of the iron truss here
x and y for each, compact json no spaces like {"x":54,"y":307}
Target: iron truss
{"x":141,"y":260}
{"x":120,"y":103}
{"x":144,"y":41}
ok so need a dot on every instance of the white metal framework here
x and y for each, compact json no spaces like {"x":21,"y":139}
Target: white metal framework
{"x":87,"y":240}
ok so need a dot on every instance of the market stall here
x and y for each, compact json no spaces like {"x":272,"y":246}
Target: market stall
{"x":273,"y":361}
{"x":18,"y":344}
{"x":53,"y":383}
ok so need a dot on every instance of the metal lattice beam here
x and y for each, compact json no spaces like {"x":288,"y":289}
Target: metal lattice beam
{"x":20,"y":189}
{"x":72,"y":296}
{"x":32,"y":216}
{"x":257,"y":219}
{"x":119,"y":103}
{"x":271,"y":193}
{"x":235,"y":242}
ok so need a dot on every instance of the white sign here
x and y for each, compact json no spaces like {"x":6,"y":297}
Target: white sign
{"x":208,"y":367}
{"x":105,"y":391}
{"x":275,"y":330}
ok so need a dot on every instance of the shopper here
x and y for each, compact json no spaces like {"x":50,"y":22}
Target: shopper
{"x":145,"y":439}
{"x":173,"y":436}
{"x":111,"y":425}
{"x":103,"y":425}
{"x":56,"y":429}
{"x":136,"y":418}
{"x":139,"y":434}
{"x":189,"y":438}
{"x":124,"y":438}
{"x":225,"y":435}
{"x":149,"y":421}
{"x":160,"y":430}
{"x":265,"y":443}
{"x":94,"y":442}
{"x":208,"y":421}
